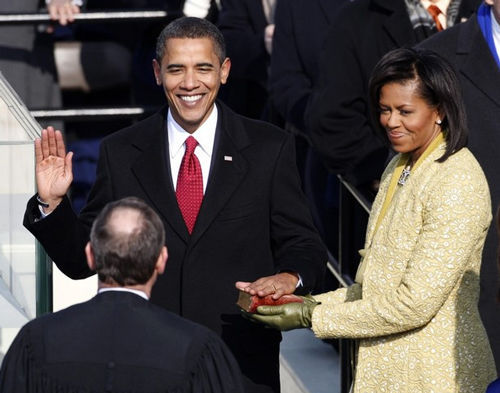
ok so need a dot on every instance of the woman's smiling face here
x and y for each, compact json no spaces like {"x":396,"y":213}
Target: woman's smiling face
{"x":410,"y":122}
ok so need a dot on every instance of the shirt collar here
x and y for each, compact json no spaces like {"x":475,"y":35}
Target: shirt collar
{"x":441,"y":4}
{"x":495,"y":27}
{"x":122,"y":289}
{"x":205,"y":134}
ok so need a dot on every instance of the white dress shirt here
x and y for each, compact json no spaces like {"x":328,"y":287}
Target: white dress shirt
{"x":495,"y":30}
{"x":205,"y":135}
{"x":123,"y":289}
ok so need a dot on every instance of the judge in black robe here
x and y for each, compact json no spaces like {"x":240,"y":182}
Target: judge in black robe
{"x":118,"y":341}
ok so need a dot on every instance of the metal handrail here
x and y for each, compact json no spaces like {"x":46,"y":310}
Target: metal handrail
{"x":355,"y":203}
{"x":86,"y":17}
{"x":360,"y":198}
{"x":334,"y":268}
{"x":92,"y":113}
{"x":43,"y":275}
{"x":17,"y":108}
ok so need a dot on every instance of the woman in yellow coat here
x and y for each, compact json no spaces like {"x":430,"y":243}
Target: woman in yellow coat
{"x":413,"y":307}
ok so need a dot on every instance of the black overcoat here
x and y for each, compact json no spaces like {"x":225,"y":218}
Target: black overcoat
{"x":253,"y":222}
{"x":466,"y":49}
{"x":341,"y":129}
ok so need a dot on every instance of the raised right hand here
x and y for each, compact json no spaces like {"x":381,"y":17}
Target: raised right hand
{"x":53,"y":168}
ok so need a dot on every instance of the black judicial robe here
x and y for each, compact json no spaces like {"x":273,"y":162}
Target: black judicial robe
{"x":117,"y":342}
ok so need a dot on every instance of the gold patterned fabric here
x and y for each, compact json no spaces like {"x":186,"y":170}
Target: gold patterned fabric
{"x":415,"y":310}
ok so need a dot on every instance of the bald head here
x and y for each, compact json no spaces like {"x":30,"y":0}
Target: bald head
{"x":126,"y":239}
{"x":125,"y":221}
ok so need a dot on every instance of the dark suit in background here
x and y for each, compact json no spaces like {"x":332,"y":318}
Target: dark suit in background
{"x":120,"y":341}
{"x":341,"y":130}
{"x":242,"y":22}
{"x":253,"y":222}
{"x":465,"y":47}
{"x":301,"y":27}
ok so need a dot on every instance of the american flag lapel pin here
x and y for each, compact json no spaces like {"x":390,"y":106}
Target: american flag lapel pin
{"x":228,"y":158}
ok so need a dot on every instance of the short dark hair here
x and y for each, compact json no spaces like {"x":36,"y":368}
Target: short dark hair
{"x":126,"y":257}
{"x":190,"y":27}
{"x":438,"y":86}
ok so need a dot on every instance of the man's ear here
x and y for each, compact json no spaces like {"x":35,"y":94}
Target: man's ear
{"x":162,"y":260}
{"x":89,"y":253}
{"x":225,"y":68}
{"x":157,"y":71}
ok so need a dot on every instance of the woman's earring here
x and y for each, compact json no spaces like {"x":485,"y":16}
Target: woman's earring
{"x":438,"y":122}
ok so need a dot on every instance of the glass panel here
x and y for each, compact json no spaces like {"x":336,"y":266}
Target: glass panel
{"x":18,"y":250}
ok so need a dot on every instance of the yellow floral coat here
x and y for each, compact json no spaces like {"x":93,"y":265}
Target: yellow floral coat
{"x":415,"y":312}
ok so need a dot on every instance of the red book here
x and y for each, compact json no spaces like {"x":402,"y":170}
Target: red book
{"x":249,"y":303}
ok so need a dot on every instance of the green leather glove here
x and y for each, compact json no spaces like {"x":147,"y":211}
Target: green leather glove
{"x":286,"y":316}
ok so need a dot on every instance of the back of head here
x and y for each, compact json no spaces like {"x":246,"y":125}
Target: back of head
{"x":438,"y":86}
{"x":190,"y":27}
{"x":126,"y":239}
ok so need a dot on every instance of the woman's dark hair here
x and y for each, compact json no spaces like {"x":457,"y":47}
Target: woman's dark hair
{"x":438,"y":86}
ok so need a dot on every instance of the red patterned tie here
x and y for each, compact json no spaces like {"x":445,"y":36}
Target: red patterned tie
{"x":189,"y":190}
{"x":435,"y":11}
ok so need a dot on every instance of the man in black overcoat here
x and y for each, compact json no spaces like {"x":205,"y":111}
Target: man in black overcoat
{"x":361,"y":33}
{"x":118,"y":341}
{"x":253,"y":227}
{"x":245,"y":25}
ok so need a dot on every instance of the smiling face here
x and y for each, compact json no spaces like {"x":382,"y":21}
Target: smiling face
{"x":410,"y":123}
{"x":191,"y":74}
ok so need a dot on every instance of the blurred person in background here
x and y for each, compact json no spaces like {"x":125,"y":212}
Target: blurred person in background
{"x":26,"y":52}
{"x":362,"y":32}
{"x":248,"y":28}
{"x":300,"y":30}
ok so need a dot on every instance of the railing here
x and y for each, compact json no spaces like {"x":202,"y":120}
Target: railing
{"x":354,"y":208}
{"x":86,"y":17}
{"x":20,"y":129}
{"x":91,"y":114}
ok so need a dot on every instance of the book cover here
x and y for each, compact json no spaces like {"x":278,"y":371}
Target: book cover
{"x":249,"y":303}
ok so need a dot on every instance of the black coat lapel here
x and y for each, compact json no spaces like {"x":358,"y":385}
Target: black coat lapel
{"x":155,"y":177}
{"x":486,"y":76}
{"x":229,"y":167}
{"x":397,"y":22}
{"x":329,"y":8}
